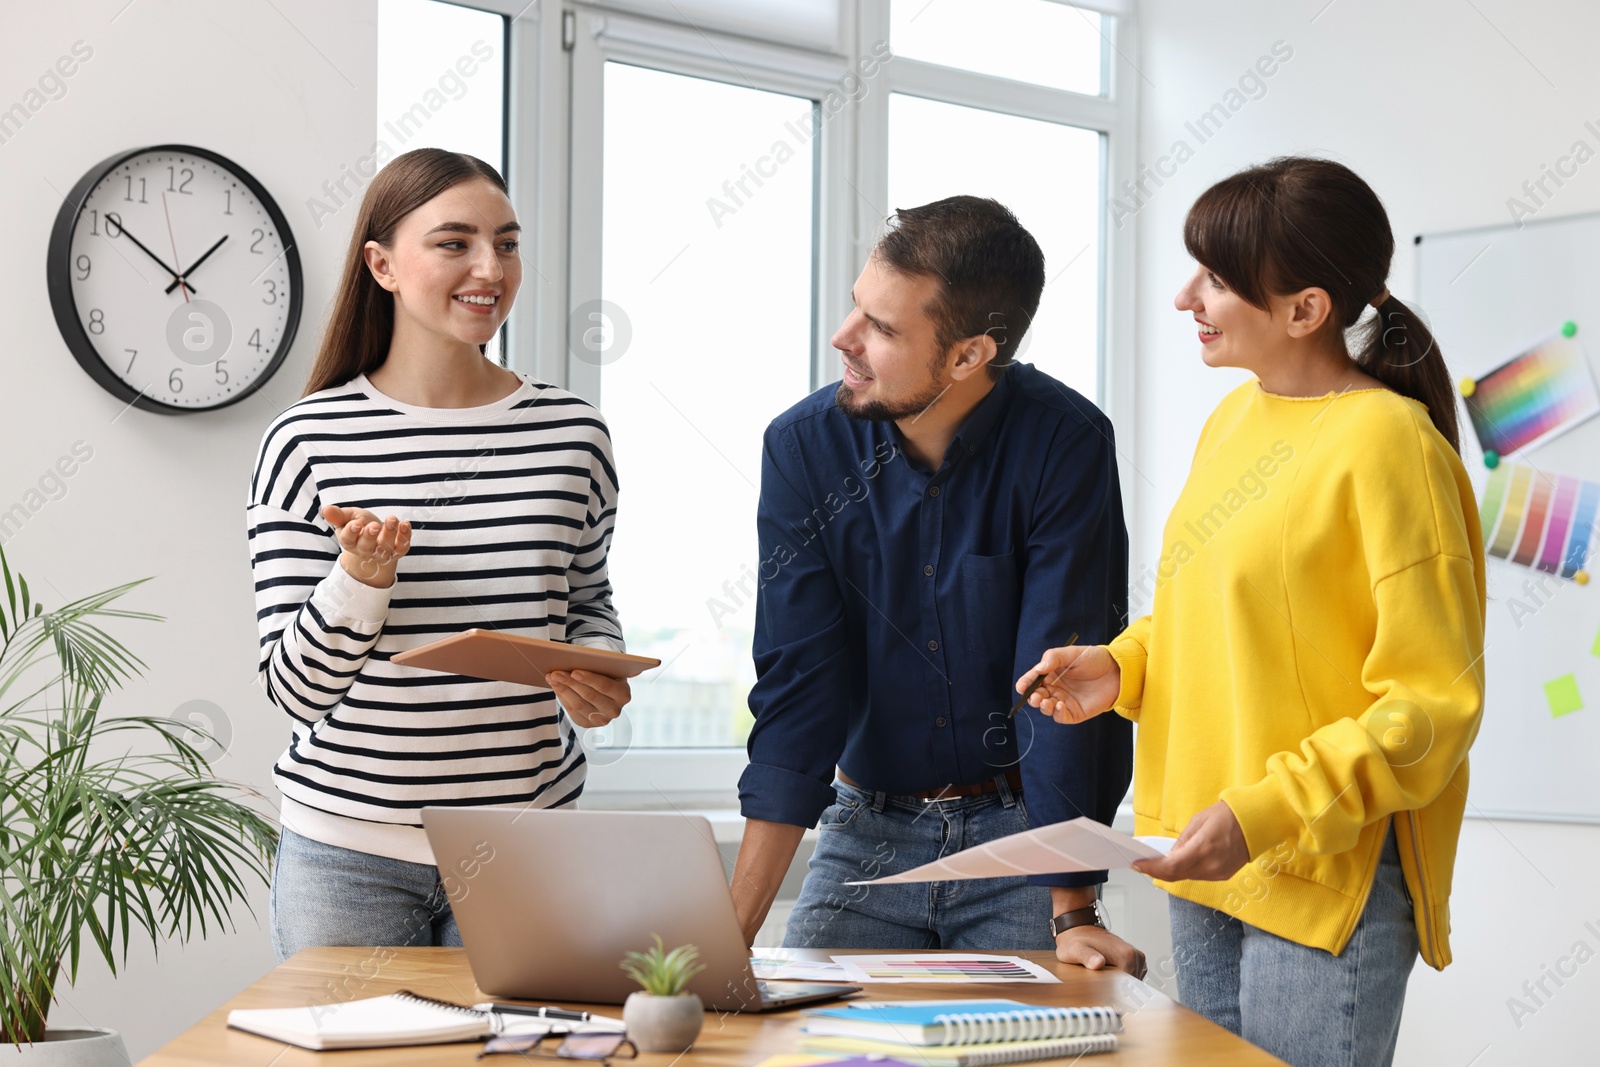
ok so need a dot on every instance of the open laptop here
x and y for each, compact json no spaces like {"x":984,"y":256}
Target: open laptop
{"x":548,"y":903}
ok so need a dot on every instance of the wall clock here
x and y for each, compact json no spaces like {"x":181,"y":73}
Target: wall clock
{"x":174,"y":279}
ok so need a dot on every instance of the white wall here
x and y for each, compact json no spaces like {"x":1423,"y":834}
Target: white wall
{"x":1445,"y":108}
{"x":287,"y":91}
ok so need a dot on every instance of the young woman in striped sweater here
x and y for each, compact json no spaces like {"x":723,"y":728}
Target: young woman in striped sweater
{"x":416,"y":490}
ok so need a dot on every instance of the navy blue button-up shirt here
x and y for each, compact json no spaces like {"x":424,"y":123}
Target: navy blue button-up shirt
{"x":897,"y":606}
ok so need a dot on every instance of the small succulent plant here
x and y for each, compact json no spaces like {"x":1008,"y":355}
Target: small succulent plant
{"x":661,"y":973}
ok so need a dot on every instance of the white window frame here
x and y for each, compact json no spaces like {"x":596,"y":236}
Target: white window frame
{"x":555,"y":57}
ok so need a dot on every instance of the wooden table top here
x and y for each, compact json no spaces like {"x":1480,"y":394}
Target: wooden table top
{"x":1157,"y":1030}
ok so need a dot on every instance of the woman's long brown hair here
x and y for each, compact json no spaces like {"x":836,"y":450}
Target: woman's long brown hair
{"x":361,"y":324}
{"x":1296,"y":223}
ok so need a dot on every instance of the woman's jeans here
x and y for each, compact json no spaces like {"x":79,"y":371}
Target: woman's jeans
{"x":327,"y":895}
{"x":1304,"y":1005}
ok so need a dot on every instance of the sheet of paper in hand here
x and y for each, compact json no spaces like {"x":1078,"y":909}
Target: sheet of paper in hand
{"x":1079,"y":845}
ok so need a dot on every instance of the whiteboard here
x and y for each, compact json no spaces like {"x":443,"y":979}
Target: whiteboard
{"x":1489,"y":294}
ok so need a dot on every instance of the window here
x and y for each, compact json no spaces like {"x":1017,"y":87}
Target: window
{"x":1036,"y":41}
{"x":1039,"y":148}
{"x":441,"y":84}
{"x":1051,"y":181}
{"x":701,"y":181}
{"x":706,"y":248}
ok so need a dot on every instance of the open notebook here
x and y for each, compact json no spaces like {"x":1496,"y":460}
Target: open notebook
{"x":403,"y":1018}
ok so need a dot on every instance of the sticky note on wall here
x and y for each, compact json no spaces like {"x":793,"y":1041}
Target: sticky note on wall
{"x":1562,"y":695}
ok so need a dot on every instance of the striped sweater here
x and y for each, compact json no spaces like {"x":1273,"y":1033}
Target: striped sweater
{"x":511,"y":507}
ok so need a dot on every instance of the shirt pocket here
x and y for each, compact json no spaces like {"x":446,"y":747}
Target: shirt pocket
{"x":989,"y":587}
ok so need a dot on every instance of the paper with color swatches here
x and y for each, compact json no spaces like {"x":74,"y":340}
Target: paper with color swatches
{"x":963,"y":967}
{"x":1535,"y":396}
{"x":1080,"y":844}
{"x":1538,"y":518}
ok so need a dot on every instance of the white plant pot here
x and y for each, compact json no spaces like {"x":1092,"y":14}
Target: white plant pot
{"x":663,"y":1024}
{"x":69,"y":1047}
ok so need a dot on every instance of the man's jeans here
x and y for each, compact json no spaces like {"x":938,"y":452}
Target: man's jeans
{"x":327,"y":895}
{"x":1303,"y":1005}
{"x":869,"y":834}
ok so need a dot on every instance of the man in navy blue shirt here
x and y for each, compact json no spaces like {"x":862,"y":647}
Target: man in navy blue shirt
{"x":927,"y":529}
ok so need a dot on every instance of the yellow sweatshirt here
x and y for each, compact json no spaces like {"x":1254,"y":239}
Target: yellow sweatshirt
{"x":1314,"y":658}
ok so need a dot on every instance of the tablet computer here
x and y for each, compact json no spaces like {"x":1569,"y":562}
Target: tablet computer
{"x":504,"y":657}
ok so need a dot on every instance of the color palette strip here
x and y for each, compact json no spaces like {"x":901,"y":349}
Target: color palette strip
{"x":1533,"y":397}
{"x":1540,"y":519}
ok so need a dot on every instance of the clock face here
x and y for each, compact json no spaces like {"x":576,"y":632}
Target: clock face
{"x":175,"y":279}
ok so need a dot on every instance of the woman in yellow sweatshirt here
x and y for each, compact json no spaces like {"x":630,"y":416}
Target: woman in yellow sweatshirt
{"x":1310,"y":677}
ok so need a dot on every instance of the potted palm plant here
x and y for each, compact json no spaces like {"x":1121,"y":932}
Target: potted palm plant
{"x":663,"y":1016}
{"x":95,"y":839}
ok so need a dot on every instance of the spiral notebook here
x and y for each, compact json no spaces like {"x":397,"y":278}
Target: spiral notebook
{"x":403,"y":1018}
{"x":960,"y":1022}
{"x":960,"y":1055}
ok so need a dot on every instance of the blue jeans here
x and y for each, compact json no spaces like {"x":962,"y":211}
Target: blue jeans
{"x":1304,"y":1005}
{"x":327,"y":895}
{"x":870,"y":834}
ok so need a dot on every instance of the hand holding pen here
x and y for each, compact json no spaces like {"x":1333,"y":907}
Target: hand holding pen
{"x":1071,"y":684}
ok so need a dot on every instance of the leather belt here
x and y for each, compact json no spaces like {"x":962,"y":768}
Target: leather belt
{"x":1013,"y":778}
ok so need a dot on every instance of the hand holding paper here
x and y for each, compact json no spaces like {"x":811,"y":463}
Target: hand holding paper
{"x":1079,"y":845}
{"x":1211,"y":848}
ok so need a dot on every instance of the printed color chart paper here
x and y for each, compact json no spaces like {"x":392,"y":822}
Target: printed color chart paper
{"x":1539,"y":518}
{"x":1540,"y":394}
{"x":962,"y":967}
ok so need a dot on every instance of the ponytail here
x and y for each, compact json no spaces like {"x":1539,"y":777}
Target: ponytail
{"x":1399,"y":351}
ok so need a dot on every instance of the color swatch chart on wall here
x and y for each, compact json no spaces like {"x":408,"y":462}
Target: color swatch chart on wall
{"x":1538,"y":394}
{"x":1540,"y":519}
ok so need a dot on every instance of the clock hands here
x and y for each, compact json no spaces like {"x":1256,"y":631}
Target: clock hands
{"x":165,"y":210}
{"x":140,"y":246}
{"x":184,"y":278}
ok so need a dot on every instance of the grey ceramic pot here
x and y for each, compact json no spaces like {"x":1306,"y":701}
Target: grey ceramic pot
{"x":663,"y":1024}
{"x":69,"y":1047}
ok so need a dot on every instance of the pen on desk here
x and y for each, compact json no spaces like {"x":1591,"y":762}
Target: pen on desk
{"x":1034,"y":685}
{"x":538,"y":1013}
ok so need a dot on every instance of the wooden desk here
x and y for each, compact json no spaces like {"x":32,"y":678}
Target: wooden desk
{"x":1157,"y":1030}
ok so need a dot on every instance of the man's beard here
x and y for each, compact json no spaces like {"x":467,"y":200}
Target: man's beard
{"x":888,"y":410}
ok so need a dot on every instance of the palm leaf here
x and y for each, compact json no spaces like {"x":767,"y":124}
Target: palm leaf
{"x":96,"y":850}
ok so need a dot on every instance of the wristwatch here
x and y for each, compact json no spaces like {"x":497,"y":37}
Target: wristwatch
{"x":1089,"y":916}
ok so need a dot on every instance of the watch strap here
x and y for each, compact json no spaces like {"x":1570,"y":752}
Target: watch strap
{"x":1086,"y":916}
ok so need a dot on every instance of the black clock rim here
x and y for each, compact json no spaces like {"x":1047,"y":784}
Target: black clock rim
{"x":58,"y":278}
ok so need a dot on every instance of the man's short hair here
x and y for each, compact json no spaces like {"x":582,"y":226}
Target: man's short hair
{"x":990,"y":270}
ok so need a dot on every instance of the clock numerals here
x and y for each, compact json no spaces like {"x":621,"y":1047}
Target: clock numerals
{"x":272,"y":291}
{"x":255,"y":246}
{"x":97,"y":321}
{"x":175,"y":380}
{"x":183,"y":187}
{"x":228,"y":208}
{"x":128,"y":196}
{"x":222,"y":374}
{"x":82,"y":265}
{"x":255,"y":340}
{"x":131,"y":358}
{"x":113,"y":224}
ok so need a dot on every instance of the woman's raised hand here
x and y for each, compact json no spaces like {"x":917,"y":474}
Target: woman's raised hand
{"x":372,"y":546}
{"x":1080,"y":682}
